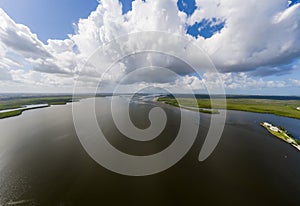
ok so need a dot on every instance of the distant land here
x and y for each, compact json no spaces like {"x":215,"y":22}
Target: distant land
{"x":14,"y":106}
{"x":277,"y":105}
{"x":182,"y":95}
{"x":287,"y":106}
{"x":238,"y":96}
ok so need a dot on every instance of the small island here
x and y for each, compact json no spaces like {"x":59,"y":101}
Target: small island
{"x":282,"y":134}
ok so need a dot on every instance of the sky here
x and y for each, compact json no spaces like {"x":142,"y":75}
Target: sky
{"x":249,"y":48}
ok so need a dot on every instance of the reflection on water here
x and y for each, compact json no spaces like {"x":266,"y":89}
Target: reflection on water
{"x":43,"y":163}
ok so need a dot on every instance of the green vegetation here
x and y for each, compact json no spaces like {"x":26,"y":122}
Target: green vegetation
{"x":15,"y":103}
{"x":10,"y":114}
{"x":282,"y":134}
{"x":188,"y":105}
{"x":287,"y":108}
{"x":208,"y":111}
{"x":19,"y":102}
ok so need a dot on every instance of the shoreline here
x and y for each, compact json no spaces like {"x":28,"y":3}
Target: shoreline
{"x":13,"y":111}
{"x":195,"y":109}
{"x":19,"y":111}
{"x":279,"y":108}
{"x":16,"y":107}
{"x":24,"y":107}
{"x":202,"y":110}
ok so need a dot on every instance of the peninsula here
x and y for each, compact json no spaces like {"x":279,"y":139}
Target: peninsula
{"x":282,"y":134}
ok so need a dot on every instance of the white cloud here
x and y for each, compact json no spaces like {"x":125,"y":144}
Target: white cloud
{"x":19,"y":46}
{"x":261,"y":35}
{"x":256,"y":33}
{"x":238,"y":80}
{"x":19,"y":39}
{"x":35,"y":81}
{"x":295,"y":82}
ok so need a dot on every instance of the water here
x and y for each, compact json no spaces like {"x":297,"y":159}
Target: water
{"x":43,"y":163}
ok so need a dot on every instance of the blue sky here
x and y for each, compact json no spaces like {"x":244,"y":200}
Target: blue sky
{"x":55,"y":19}
{"x":49,"y":19}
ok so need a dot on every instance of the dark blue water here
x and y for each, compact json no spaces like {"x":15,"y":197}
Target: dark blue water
{"x":250,"y":118}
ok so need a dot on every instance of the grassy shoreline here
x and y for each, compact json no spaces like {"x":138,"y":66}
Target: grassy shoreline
{"x":287,"y":108}
{"x":192,"y":108}
{"x":16,"y":103}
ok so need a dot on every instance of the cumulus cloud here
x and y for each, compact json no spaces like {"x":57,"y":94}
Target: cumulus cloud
{"x":19,"y":39}
{"x":19,"y":46}
{"x":256,"y":33}
{"x":231,"y":81}
{"x":268,"y":39}
{"x":259,"y":38}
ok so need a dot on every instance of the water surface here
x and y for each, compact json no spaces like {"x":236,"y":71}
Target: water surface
{"x":43,"y":163}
